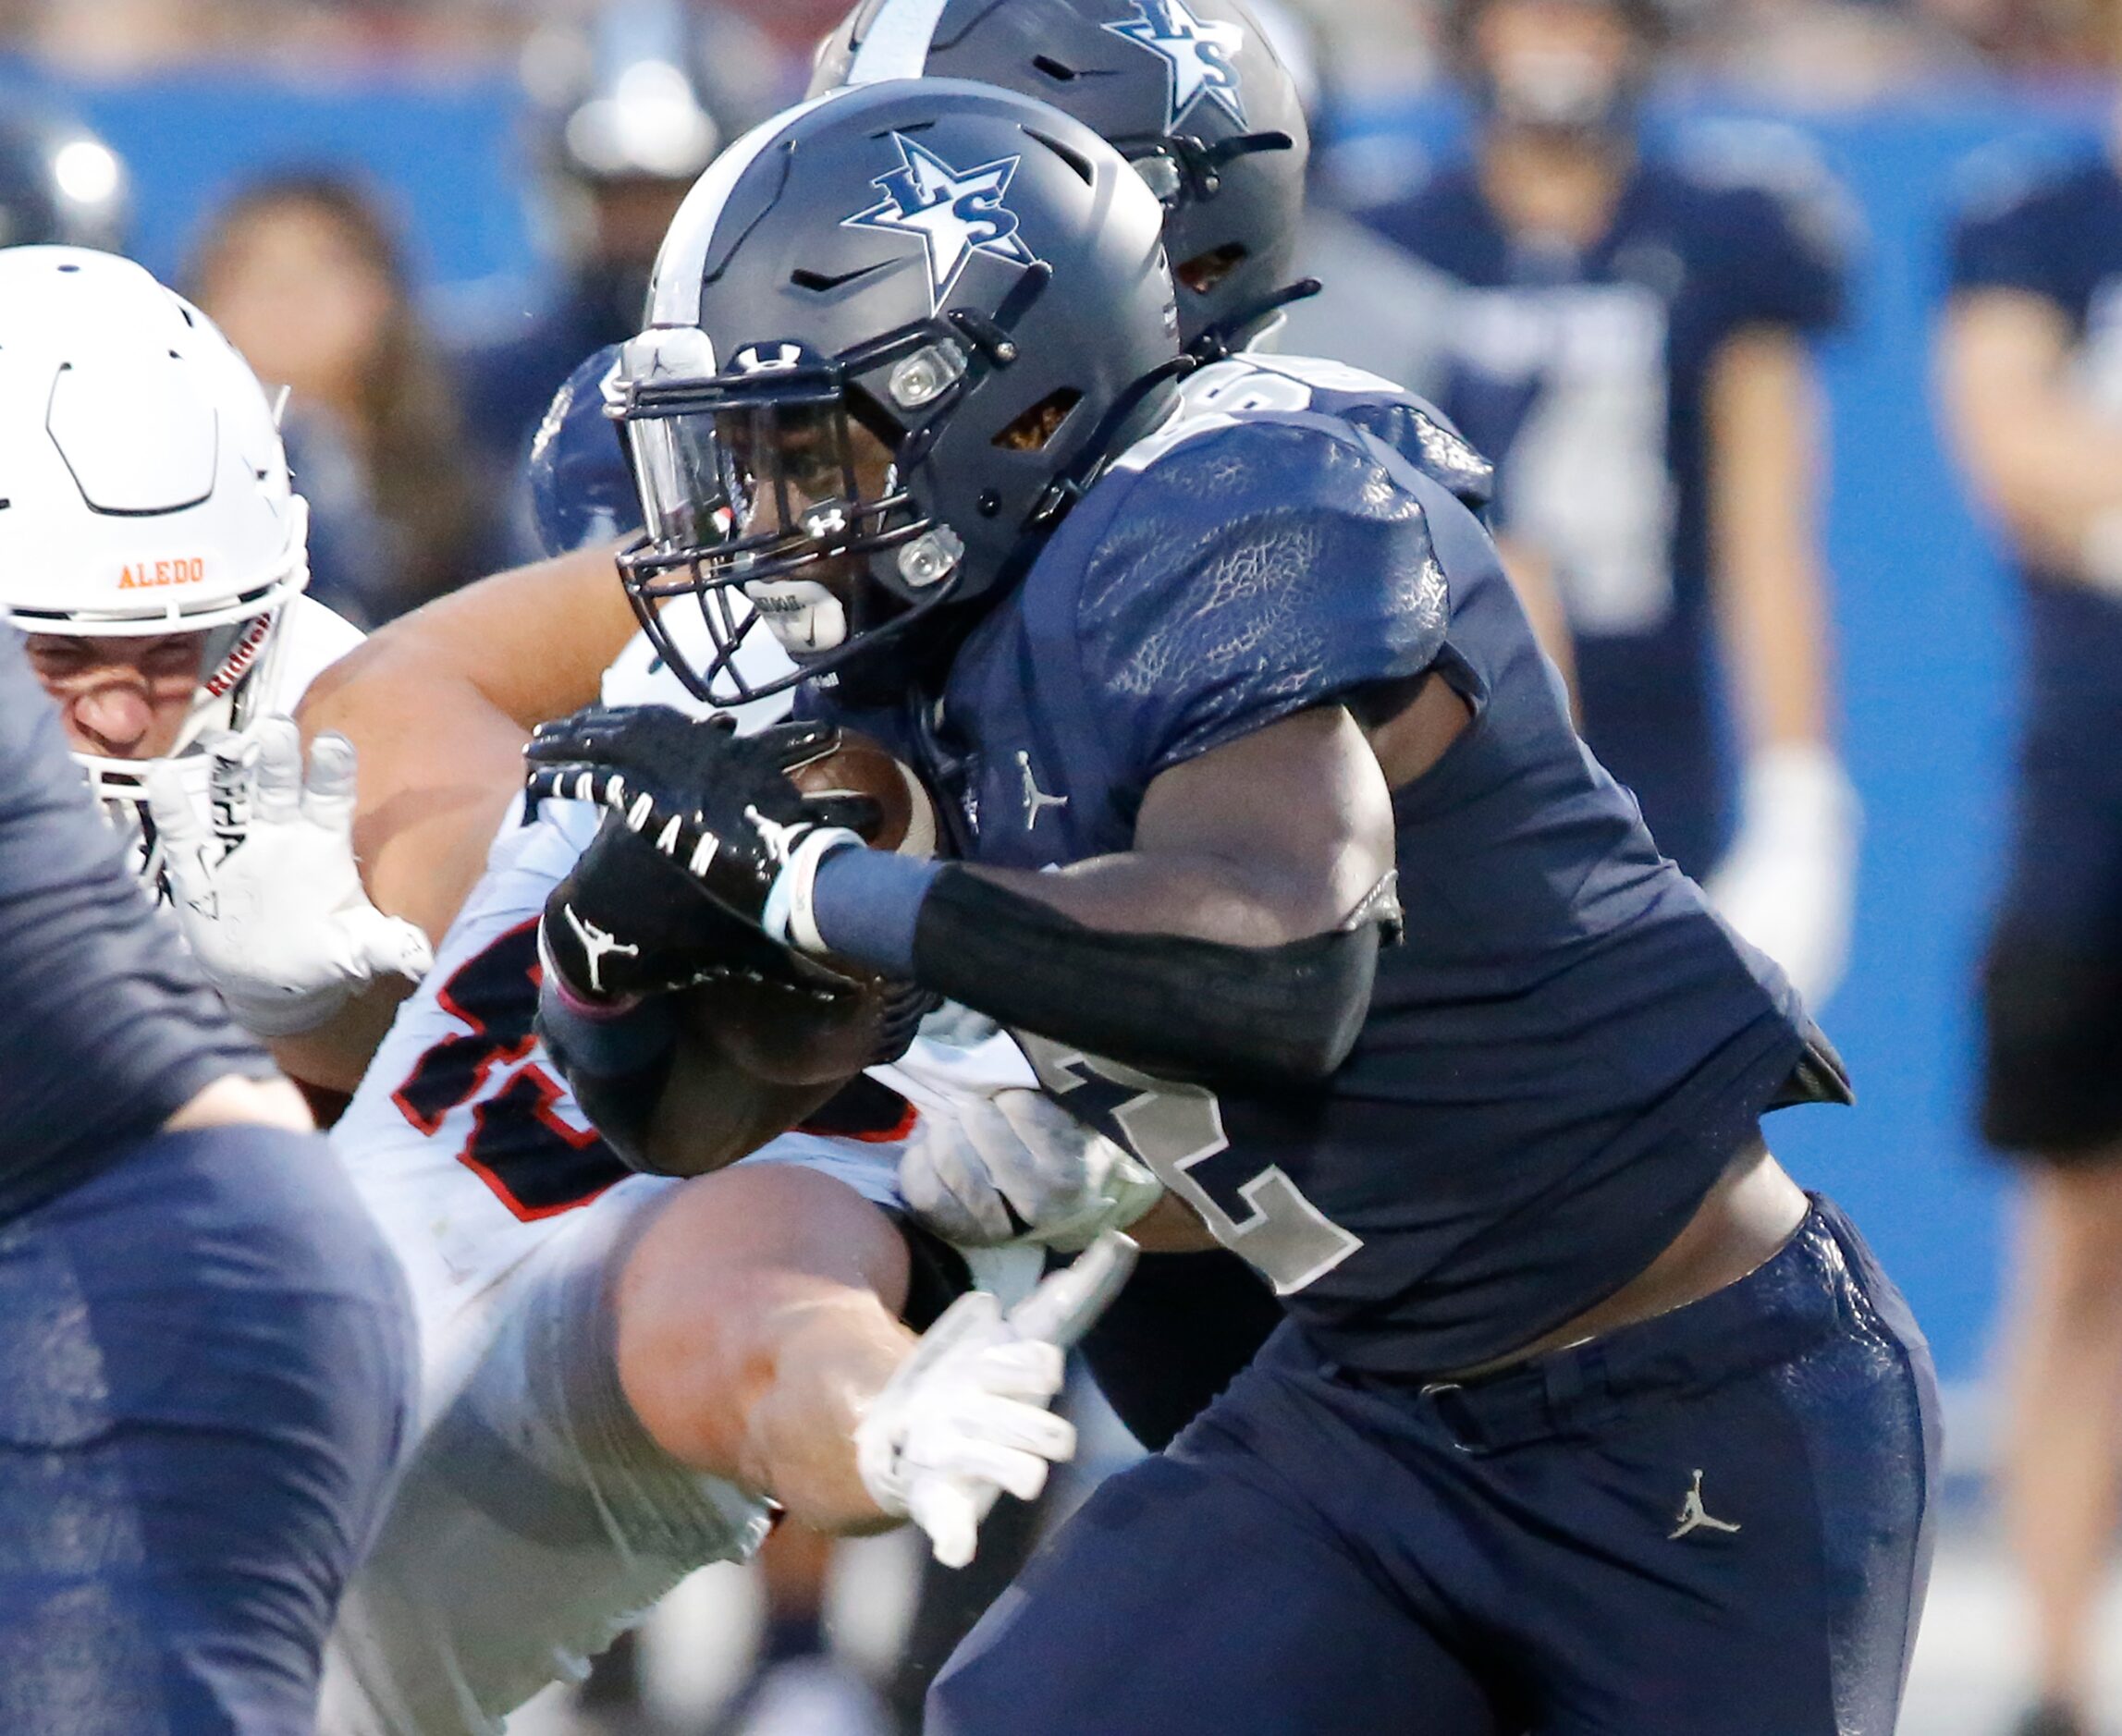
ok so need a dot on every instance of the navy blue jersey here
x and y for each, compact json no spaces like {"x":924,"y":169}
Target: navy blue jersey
{"x":1564,"y":1051}
{"x":2055,"y":230}
{"x":106,"y":1027}
{"x":1583,"y":375}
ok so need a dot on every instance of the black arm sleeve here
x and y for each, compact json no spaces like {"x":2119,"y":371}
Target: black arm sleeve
{"x":106,"y":1027}
{"x":1185,"y":1010}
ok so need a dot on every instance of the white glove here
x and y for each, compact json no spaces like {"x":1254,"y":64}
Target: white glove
{"x":994,"y":1161}
{"x":964,"y":1417}
{"x":1788,"y":883}
{"x":1015,"y":1166}
{"x":280,"y":923}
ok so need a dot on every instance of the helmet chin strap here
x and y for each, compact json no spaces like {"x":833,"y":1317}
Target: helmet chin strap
{"x":802,"y":614}
{"x":1242,"y":326}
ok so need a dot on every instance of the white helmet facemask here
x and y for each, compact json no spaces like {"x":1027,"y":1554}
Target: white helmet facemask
{"x":145,"y":493}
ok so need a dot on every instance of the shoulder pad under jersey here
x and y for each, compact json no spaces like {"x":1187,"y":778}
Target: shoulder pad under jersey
{"x":1768,"y":161}
{"x":1235,"y":569}
{"x":1260,"y":382}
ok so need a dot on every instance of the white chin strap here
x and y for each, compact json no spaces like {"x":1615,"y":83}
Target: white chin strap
{"x":801,"y":613}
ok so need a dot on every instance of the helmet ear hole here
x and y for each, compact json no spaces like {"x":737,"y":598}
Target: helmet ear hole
{"x":1204,"y":272}
{"x":1036,"y":429}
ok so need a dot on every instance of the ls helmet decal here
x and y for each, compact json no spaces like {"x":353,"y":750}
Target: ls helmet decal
{"x":953,"y":213}
{"x":1200,"y":58}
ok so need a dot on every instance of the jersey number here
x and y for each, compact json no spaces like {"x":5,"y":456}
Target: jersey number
{"x":1178,"y":1131}
{"x":536,"y":1161}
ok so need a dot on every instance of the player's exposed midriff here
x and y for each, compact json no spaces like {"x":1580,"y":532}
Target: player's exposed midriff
{"x":1742,"y":1223}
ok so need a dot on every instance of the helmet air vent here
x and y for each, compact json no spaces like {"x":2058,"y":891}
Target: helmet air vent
{"x":1070,"y":155}
{"x":1035,"y":430}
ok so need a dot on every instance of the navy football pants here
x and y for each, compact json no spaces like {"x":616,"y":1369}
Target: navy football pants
{"x":205,"y":1359}
{"x":1713,"y":1523}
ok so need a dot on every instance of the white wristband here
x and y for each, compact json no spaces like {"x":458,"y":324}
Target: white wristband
{"x":789,"y":916}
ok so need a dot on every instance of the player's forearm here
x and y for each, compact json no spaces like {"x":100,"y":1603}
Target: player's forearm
{"x":2047,"y":460}
{"x":1773,"y":615}
{"x":1177,"y":1006}
{"x":1771,"y":588}
{"x":819,"y":1353}
{"x":336,"y":1054}
{"x":439,"y":765}
{"x":497,"y":637}
{"x":754,"y":1315}
{"x":1531,"y":573}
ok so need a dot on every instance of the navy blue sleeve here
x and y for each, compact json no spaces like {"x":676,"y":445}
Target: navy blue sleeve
{"x":1782,"y":226}
{"x":1788,"y":263}
{"x":1250,"y":573}
{"x":106,"y":1027}
{"x":2010,"y":233}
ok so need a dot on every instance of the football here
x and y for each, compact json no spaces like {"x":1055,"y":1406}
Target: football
{"x":788,"y":1038}
{"x":861,"y":765}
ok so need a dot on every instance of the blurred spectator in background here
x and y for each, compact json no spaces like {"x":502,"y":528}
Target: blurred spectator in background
{"x":304,"y":274}
{"x":58,"y":183}
{"x":2032,"y":383}
{"x":106,"y":37}
{"x":1625,"y":334}
{"x":1826,"y":54}
{"x":1379,"y":308}
{"x":622,"y":135}
{"x":2040,"y":34}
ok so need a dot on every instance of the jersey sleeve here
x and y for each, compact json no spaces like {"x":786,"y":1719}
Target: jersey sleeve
{"x":106,"y":1027}
{"x":2005,"y":231}
{"x":1785,"y":228}
{"x":1253,"y":572}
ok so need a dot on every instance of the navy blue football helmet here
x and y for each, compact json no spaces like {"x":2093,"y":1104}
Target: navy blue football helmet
{"x":892,"y":334}
{"x":582,"y":491}
{"x":1192,"y":91}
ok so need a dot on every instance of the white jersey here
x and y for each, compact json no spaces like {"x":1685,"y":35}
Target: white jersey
{"x":316,"y":640}
{"x":522,"y":1540}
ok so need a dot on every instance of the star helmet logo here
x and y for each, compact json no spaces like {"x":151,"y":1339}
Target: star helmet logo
{"x":1199,"y":59}
{"x":953,"y":213}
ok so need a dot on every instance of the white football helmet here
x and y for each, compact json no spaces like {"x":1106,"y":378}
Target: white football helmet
{"x":143,"y":491}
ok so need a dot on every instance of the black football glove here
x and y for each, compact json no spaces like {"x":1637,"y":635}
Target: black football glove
{"x":717,"y":805}
{"x":627,"y":922}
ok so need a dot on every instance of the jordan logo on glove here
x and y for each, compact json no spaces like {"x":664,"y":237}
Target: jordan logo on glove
{"x":595,"y":942}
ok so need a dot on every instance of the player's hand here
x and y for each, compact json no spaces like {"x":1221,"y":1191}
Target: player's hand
{"x":627,"y":922}
{"x":718,"y":805}
{"x":990,"y":1164}
{"x":280,"y":923}
{"x":1788,"y":883}
{"x":965,"y":1417}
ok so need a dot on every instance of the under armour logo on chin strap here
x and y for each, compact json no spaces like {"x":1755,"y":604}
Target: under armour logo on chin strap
{"x":596,"y":942}
{"x":1694,"y":1517}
